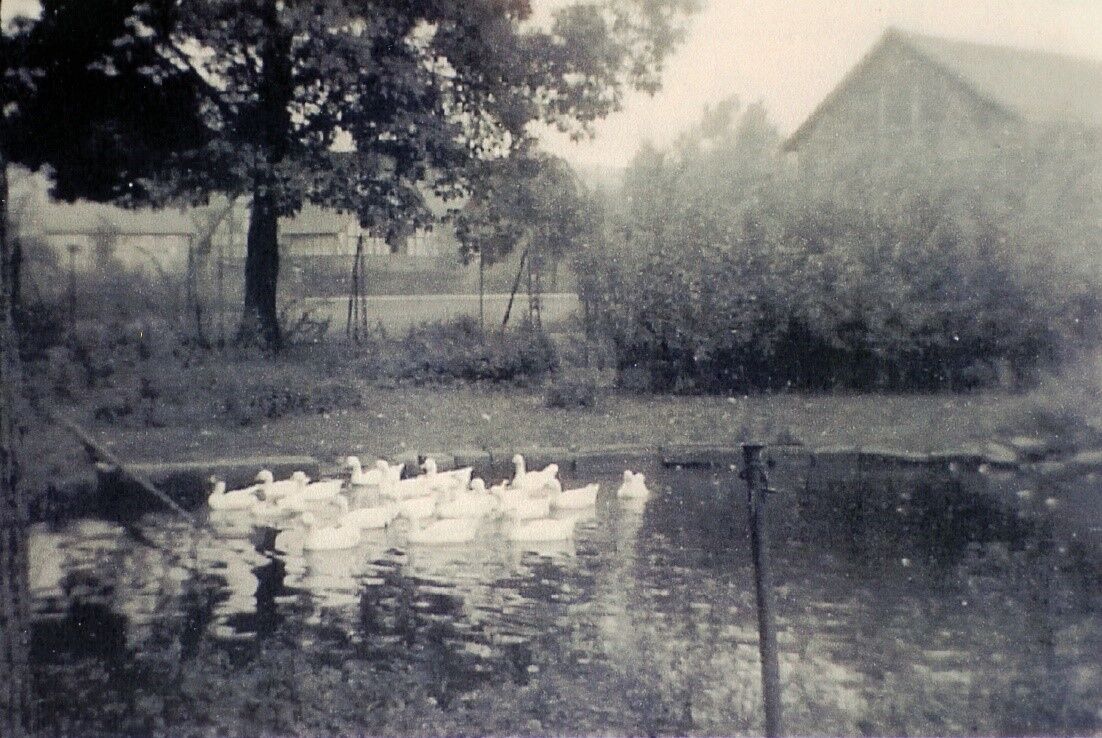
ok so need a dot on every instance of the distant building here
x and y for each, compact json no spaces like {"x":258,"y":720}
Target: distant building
{"x":206,"y":245}
{"x":165,"y":238}
{"x":97,"y":234}
{"x":316,"y":231}
{"x":941,"y":97}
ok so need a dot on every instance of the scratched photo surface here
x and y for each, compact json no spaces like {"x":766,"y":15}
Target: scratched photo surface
{"x":550,"y":367}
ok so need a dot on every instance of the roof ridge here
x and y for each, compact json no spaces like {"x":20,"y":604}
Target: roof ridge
{"x":1034,"y":85}
{"x":908,"y":35}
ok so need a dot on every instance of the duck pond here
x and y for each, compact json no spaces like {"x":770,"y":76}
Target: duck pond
{"x":909,"y":604}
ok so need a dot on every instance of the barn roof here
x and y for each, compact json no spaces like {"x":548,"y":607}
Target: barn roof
{"x":1036,"y":86}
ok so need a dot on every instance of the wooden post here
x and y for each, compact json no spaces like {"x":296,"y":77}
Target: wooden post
{"x":513,"y":294}
{"x":357,"y":313}
{"x":73,"y":249}
{"x":362,"y":285}
{"x":97,"y":451}
{"x":15,"y":683}
{"x":351,"y":301}
{"x":757,"y":488}
{"x":535,"y":291}
{"x":481,"y":291}
{"x":221,"y":267}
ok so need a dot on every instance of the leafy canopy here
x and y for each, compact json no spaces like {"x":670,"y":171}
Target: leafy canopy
{"x":354,"y":104}
{"x":529,"y":198}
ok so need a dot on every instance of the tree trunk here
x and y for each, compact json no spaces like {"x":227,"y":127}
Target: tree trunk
{"x":260,"y":320}
{"x":15,"y":683}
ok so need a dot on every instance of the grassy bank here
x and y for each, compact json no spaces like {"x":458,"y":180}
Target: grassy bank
{"x":390,"y":420}
{"x":324,"y":401}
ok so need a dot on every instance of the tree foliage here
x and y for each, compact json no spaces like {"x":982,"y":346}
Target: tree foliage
{"x":528,"y":198}
{"x":726,"y":270}
{"x":357,"y":105}
{"x":91,"y":100}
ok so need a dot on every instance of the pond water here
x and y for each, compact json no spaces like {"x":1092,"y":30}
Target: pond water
{"x":902,"y":608}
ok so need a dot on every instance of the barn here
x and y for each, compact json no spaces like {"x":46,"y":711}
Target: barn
{"x":938,"y":97}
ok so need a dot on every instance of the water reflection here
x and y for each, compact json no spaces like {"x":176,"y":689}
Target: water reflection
{"x":911,"y":607}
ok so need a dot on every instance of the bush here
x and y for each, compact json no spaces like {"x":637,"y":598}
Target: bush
{"x":271,"y":402}
{"x":572,"y":391}
{"x":457,"y":350}
{"x":916,"y":277}
{"x":39,"y":328}
{"x":299,"y":325}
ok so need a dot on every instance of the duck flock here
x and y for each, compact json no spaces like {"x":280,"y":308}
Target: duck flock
{"x":440,"y":507}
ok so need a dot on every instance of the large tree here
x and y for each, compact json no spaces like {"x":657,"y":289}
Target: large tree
{"x":358,"y":105}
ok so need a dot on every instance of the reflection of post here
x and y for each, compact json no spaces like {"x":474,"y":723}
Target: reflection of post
{"x":73,"y":249}
{"x":757,"y":488}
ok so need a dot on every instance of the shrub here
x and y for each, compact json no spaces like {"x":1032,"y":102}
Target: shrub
{"x":915,"y":277}
{"x":111,"y":413}
{"x":457,"y":350}
{"x":300,"y":326}
{"x":271,"y":402}
{"x":572,"y":391}
{"x":39,"y":328}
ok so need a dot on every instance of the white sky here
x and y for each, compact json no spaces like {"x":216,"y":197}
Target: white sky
{"x":790,"y":53}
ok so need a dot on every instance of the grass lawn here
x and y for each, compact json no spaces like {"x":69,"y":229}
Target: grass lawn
{"x":314,"y":401}
{"x":447,"y":418}
{"x":380,"y":419}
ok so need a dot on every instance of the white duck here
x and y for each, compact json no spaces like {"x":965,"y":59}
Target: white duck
{"x":634,"y":487}
{"x":270,"y":489}
{"x":382,"y":473}
{"x":442,"y":532}
{"x":328,"y":538}
{"x":576,"y":499}
{"x":543,"y":529}
{"x":475,"y":503}
{"x":309,"y":494}
{"x":415,"y":508}
{"x":457,"y":479}
{"x":269,"y":511}
{"x":532,"y":480}
{"x":520,"y":504}
{"x":237,"y":499}
{"x":358,"y":477}
{"x":398,"y":489}
{"x":323,"y":489}
{"x":369,"y":518}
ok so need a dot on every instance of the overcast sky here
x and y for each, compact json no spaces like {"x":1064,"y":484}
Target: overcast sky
{"x":790,"y":53}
